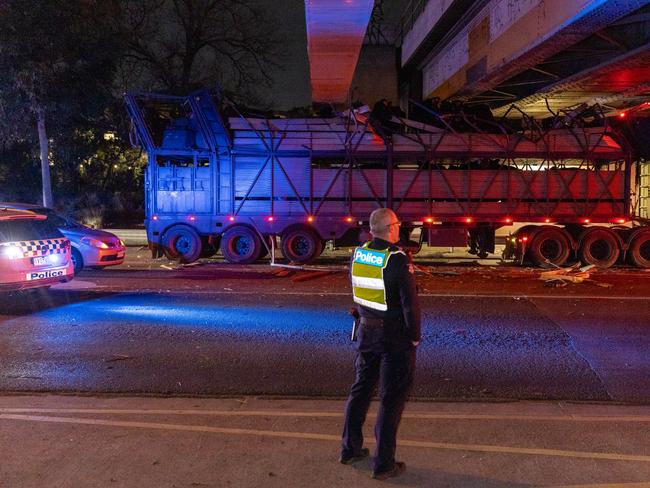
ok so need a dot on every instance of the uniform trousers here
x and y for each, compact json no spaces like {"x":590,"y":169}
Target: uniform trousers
{"x":394,"y":372}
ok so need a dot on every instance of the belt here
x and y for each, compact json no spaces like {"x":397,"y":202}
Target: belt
{"x":372,"y":323}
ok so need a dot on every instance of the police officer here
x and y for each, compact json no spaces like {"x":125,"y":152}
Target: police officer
{"x":385,"y":292}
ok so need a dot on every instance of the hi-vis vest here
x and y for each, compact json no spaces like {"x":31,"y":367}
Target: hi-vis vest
{"x":368,"y":276}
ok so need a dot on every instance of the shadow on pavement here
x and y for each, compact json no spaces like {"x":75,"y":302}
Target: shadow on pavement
{"x":34,"y":301}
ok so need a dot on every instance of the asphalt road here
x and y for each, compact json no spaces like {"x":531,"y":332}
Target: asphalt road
{"x":128,"y":331}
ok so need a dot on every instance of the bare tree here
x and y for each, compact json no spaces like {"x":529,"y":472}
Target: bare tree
{"x":179,"y":45}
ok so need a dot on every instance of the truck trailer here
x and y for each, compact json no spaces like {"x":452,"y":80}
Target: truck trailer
{"x":238,"y":183}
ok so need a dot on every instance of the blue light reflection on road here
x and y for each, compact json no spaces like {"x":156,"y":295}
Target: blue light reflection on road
{"x":178,"y":311}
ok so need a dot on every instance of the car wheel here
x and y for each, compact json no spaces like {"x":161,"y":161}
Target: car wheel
{"x":77,"y":261}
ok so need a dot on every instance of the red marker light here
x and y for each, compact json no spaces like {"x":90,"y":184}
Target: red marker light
{"x":622,"y":115}
{"x":468,"y":220}
{"x":349,"y":219}
{"x":231,"y":218}
{"x":310,"y":219}
{"x":525,"y":238}
{"x":192,"y":218}
{"x":547,"y":220}
{"x":429,"y":220}
{"x":508,"y":220}
{"x":620,"y":221}
{"x":155,"y":217}
{"x":586,"y":221}
{"x":270,"y":218}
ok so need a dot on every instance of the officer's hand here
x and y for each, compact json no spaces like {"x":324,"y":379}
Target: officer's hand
{"x":415,"y":343}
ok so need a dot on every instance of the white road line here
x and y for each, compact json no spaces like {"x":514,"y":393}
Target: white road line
{"x":641,"y":484}
{"x":334,"y":438}
{"x":337,"y":414}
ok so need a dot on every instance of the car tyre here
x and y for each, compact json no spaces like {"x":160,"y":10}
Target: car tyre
{"x":77,"y":261}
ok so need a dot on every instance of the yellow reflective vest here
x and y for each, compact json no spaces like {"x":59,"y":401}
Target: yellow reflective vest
{"x":367,"y":274}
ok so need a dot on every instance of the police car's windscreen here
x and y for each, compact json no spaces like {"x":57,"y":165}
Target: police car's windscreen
{"x":27,"y":230}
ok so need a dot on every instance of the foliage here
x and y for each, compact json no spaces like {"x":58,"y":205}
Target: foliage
{"x":71,"y":60}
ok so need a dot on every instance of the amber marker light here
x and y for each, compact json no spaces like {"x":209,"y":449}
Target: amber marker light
{"x":620,"y":221}
{"x":429,"y":220}
{"x":310,"y":219}
{"x":349,"y":219}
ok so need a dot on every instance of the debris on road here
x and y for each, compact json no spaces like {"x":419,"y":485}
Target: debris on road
{"x":427,"y":270}
{"x":310,"y":276}
{"x":118,"y":357}
{"x":560,"y":277}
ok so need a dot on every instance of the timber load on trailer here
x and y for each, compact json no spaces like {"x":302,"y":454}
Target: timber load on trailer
{"x":236,"y":183}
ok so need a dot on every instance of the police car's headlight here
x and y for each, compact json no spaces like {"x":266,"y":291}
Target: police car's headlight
{"x":12,"y":252}
{"x":94,"y":243}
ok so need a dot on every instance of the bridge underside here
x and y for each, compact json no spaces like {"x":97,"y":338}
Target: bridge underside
{"x":611,"y":67}
{"x":544,"y":57}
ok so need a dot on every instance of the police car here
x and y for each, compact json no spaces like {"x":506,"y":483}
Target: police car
{"x":90,"y":247}
{"x":33,"y":253}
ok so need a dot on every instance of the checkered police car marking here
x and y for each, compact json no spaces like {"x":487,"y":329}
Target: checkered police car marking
{"x":370,"y":257}
{"x":31,"y":249}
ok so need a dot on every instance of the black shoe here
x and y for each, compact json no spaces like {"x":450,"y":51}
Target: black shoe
{"x":397,"y":469}
{"x":363,"y":454}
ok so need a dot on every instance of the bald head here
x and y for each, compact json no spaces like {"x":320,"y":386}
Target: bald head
{"x":383,"y":224}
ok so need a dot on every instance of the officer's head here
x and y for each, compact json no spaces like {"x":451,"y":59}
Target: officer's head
{"x":384,"y":224}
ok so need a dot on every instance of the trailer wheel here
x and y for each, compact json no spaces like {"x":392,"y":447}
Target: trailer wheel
{"x":599,"y":248}
{"x":639,"y":250}
{"x":241,"y":245}
{"x":182,"y":243}
{"x":301,"y":245}
{"x":550,"y":247}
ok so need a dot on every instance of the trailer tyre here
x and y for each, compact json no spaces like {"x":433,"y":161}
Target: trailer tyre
{"x":550,"y":247}
{"x":639,"y":250}
{"x":241,"y":245}
{"x":599,"y":248}
{"x":301,"y":245}
{"x":182,"y":243}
